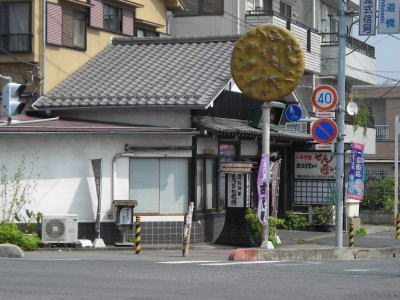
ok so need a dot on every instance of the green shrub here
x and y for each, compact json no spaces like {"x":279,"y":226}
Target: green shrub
{"x":9,"y":233}
{"x":379,"y":194}
{"x":295,"y":222}
{"x":323,"y":214}
{"x":361,"y":231}
{"x":256,"y":228}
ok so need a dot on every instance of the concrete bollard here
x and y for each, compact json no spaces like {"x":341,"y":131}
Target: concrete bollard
{"x":137,"y":235}
{"x":351,"y":235}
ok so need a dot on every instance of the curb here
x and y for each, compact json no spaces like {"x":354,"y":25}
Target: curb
{"x":244,"y":254}
{"x":11,"y":251}
{"x":325,"y":254}
{"x":314,"y":254}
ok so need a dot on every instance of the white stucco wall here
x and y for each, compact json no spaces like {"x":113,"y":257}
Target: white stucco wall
{"x":205,"y":145}
{"x":248,"y":147}
{"x":179,"y":118}
{"x":63,"y":173}
{"x":357,"y":136}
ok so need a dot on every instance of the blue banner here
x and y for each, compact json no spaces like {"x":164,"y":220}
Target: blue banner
{"x":355,"y":188}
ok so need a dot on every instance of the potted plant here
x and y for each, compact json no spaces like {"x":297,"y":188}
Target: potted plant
{"x":323,"y":217}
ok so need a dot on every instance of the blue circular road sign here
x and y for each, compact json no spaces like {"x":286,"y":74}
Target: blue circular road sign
{"x":293,"y":113}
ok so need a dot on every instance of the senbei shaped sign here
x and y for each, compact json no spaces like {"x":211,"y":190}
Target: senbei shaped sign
{"x":267,"y":63}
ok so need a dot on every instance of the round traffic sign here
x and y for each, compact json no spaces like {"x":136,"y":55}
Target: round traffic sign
{"x":324,"y":131}
{"x":293,"y":113}
{"x":324,"y":97}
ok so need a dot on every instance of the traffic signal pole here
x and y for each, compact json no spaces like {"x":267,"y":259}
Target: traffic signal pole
{"x":340,"y":122}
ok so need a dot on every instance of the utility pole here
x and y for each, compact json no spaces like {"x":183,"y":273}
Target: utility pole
{"x":396,"y":166}
{"x":340,"y":122}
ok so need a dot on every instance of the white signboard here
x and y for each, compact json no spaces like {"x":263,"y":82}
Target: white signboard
{"x":388,"y":16}
{"x":314,"y":165}
{"x":367,"y":24}
{"x":236,"y":190}
{"x":125,"y":216}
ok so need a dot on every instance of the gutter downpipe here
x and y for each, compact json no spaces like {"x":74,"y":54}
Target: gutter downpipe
{"x":43,"y":56}
{"x":114,"y":172}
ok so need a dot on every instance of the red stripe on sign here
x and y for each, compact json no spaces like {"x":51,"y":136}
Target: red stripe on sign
{"x":54,"y":23}
{"x":96,"y":14}
{"x":127,"y":22}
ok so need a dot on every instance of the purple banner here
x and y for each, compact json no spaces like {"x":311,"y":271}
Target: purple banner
{"x":263,"y":189}
{"x":355,"y":187}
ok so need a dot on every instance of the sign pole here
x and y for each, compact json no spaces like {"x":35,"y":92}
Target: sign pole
{"x":340,"y":123}
{"x":266,"y":150}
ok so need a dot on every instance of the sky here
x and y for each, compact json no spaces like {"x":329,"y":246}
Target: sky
{"x":387,"y":54}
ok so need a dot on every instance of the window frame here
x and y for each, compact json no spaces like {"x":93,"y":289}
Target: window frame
{"x":159,"y":213}
{"x":203,"y":197}
{"x":200,"y":11}
{"x":286,"y":6}
{"x":30,"y":48}
{"x":74,"y":10}
{"x":119,"y":13}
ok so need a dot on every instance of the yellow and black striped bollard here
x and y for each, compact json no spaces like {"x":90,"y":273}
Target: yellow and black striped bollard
{"x":351,"y":235}
{"x":137,"y":235}
{"x":398,"y":227}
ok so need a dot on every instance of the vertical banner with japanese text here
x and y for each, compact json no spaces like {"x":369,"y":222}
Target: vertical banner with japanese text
{"x":367,"y":19}
{"x":355,"y":188}
{"x":263,"y":189}
{"x":236,"y":190}
{"x":388,"y":16}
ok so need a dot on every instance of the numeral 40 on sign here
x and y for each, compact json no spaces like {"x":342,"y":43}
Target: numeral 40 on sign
{"x":324,"y":98}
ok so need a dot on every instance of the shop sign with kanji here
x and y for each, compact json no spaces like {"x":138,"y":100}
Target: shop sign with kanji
{"x":236,"y":190}
{"x":314,"y":165}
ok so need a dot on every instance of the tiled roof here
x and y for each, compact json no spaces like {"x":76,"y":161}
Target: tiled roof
{"x":148,"y":72}
{"x":224,"y":126}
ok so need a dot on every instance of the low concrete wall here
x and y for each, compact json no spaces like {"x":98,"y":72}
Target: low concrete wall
{"x":376,"y":217}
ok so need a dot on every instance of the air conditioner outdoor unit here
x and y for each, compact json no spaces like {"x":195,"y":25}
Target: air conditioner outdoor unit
{"x":60,"y":229}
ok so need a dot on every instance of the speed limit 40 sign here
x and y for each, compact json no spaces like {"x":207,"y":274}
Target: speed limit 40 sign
{"x":324,"y":98}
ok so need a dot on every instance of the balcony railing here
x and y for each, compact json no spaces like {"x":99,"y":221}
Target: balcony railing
{"x":352,"y":43}
{"x":382,"y":132}
{"x":16,"y":42}
{"x":271,"y":13}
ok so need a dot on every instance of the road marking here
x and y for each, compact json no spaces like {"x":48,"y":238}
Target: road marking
{"x":360,"y":270}
{"x":188,"y":261}
{"x":241,"y":263}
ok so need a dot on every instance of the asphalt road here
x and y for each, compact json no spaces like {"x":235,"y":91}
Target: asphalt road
{"x":205,"y":275}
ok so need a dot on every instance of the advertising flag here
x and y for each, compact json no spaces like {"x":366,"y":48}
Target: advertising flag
{"x":355,"y":188}
{"x":263,"y":189}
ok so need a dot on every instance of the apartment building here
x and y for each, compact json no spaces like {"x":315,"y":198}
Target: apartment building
{"x":42,"y":42}
{"x":385,"y":104}
{"x":314,"y":22}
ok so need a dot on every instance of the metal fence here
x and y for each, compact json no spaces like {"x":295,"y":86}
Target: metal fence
{"x":16,"y":42}
{"x":382,"y":132}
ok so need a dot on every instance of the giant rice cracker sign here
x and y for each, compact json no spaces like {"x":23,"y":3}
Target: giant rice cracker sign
{"x":267,"y":63}
{"x":314,"y":165}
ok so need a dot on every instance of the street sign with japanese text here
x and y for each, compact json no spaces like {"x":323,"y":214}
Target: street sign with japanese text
{"x":367,"y":18}
{"x":325,"y":147}
{"x":389,"y":16}
{"x":315,"y":165}
{"x":324,"y":98}
{"x":324,"y":131}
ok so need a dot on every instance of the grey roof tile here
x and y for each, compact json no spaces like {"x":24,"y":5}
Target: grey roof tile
{"x":148,"y":72}
{"x":231,"y":127}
